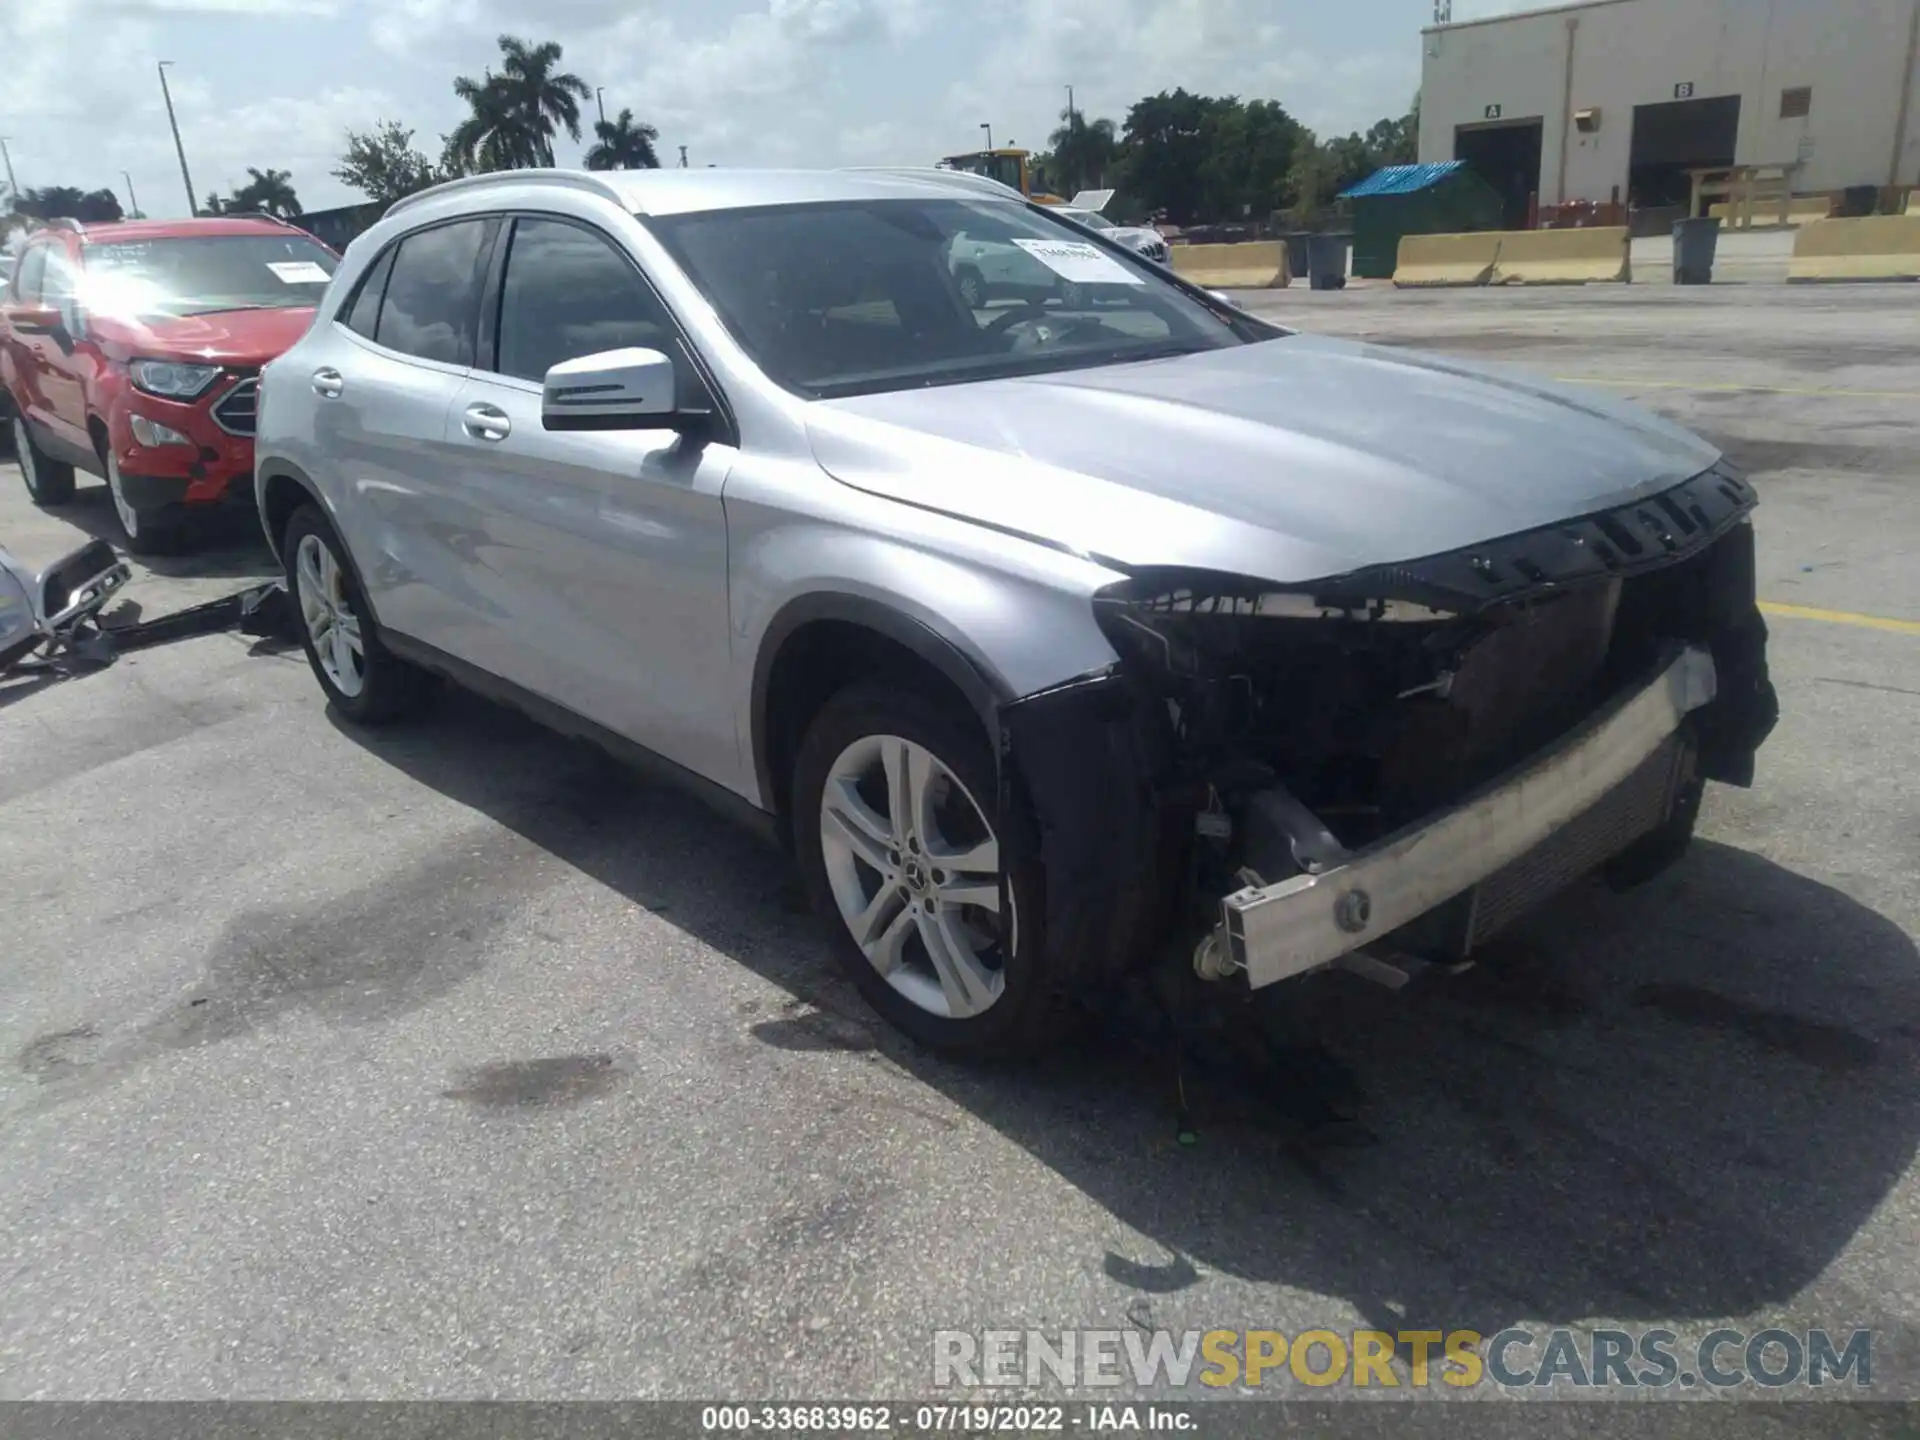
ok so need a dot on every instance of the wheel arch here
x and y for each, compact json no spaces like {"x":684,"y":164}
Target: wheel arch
{"x":816,"y":644}
{"x":282,"y":488}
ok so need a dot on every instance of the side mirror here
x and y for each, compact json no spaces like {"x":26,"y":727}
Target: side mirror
{"x":35,"y":319}
{"x":630,"y":389}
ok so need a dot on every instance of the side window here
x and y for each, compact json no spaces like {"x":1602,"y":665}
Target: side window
{"x":26,"y":281}
{"x":432,"y":303}
{"x":363,"y":314}
{"x":56,"y":285}
{"x":568,"y":292}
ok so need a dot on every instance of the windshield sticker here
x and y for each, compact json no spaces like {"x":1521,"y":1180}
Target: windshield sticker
{"x":298,"y":272}
{"x":1080,"y":261}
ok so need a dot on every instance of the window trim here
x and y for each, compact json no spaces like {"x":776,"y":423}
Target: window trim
{"x":343,"y":312}
{"x":32,"y":249}
{"x":493,"y":301}
{"x":489,"y":243}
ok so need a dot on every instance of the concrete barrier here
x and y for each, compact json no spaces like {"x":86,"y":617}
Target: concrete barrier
{"x":1564,"y":257}
{"x":1872,"y":247}
{"x":1801,"y":210}
{"x":1431,"y":261}
{"x":1249,"y":265}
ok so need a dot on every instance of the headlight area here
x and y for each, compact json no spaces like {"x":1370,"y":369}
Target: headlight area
{"x":1250,"y":734}
{"x":172,"y":379}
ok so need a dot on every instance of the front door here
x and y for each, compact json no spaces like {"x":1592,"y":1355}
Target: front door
{"x":601,"y":576}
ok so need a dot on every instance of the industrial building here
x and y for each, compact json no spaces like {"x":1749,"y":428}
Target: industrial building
{"x":1625,"y":99}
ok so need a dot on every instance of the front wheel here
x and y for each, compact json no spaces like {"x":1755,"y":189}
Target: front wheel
{"x":894,"y":825}
{"x":49,"y":482}
{"x":149,"y":531}
{"x":364,"y":680}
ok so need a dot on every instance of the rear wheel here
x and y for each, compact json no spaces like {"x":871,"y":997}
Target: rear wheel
{"x":148,"y":531}
{"x":894,"y":825}
{"x":973,"y":288}
{"x":49,"y":482}
{"x":364,"y":680}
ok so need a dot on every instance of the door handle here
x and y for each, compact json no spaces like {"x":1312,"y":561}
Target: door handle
{"x":486,"y":422}
{"x":327,"y":384}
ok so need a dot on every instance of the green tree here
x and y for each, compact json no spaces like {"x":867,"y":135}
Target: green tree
{"x":513,"y":115}
{"x":270,"y":191}
{"x":67,"y":202}
{"x":1166,"y":148}
{"x":382,"y":164}
{"x":623,"y":144}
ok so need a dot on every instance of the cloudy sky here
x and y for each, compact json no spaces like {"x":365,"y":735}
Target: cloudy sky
{"x":274,"y":83}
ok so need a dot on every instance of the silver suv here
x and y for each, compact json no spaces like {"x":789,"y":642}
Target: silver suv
{"x":1060,"y":637}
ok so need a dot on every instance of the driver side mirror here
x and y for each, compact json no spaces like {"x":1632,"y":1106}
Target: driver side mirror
{"x":631,"y":389}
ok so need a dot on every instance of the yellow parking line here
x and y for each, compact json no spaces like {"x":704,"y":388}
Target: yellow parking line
{"x":1737,"y":389}
{"x":1841,"y":617}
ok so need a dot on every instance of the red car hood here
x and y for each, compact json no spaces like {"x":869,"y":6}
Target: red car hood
{"x":225,"y":337}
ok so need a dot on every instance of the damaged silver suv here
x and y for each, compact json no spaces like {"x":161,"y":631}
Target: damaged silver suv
{"x":1059,"y":637}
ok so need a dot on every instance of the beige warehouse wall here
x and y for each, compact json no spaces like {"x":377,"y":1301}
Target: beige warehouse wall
{"x":1634,"y":52}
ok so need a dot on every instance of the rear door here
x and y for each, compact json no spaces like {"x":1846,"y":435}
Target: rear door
{"x":599,"y":576}
{"x":400,"y":350}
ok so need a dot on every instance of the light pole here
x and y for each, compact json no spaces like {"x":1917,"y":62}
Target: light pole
{"x":193,"y":206}
{"x":598,"y":91}
{"x":989,"y":129}
{"x":683,"y":157}
{"x":133,"y":201}
{"x":13,"y":186}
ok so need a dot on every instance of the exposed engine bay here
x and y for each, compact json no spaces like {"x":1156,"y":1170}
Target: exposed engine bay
{"x":1250,"y":734}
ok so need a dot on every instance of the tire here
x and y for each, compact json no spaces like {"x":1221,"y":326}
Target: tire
{"x":382,"y":687}
{"x":49,"y":482}
{"x":991,"y":998}
{"x":149,"y":532}
{"x":973,"y":287}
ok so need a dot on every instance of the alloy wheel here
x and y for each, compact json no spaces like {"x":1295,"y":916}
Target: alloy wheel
{"x":331,"y":624}
{"x":914,"y":868}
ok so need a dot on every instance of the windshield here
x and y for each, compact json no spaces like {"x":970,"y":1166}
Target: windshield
{"x":854,"y":297}
{"x":201,"y":274}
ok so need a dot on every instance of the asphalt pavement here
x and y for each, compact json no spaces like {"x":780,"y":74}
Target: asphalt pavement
{"x":453,"y":1062}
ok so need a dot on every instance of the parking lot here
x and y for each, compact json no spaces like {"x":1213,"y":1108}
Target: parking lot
{"x":453,"y":1062}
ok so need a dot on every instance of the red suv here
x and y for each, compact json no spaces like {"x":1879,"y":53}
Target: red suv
{"x":133,"y":352}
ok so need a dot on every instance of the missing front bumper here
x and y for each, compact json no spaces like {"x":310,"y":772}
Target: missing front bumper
{"x":1561,"y":812}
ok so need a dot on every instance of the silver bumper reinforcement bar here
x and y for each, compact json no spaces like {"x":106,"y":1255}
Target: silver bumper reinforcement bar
{"x":1280,"y":930}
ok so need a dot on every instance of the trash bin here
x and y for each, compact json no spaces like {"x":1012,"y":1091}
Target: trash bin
{"x":1327,"y":261}
{"x":1694,"y":244}
{"x":1858,"y":200}
{"x":1298,"y":245}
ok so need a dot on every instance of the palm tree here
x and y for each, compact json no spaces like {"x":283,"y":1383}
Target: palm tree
{"x":270,"y":191}
{"x":494,"y":135}
{"x":1083,"y":151}
{"x":622,"y":144}
{"x":514,"y":114}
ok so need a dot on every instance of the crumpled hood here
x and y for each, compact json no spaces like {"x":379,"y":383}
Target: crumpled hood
{"x":224,"y":337}
{"x":1294,"y":459}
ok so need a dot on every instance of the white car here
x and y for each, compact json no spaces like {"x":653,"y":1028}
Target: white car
{"x":990,"y":269}
{"x":1143,"y":240}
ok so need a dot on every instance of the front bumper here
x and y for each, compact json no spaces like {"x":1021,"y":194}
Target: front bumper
{"x":1280,"y":930}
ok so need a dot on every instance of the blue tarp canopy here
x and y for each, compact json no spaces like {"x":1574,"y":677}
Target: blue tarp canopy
{"x":1401,"y":179}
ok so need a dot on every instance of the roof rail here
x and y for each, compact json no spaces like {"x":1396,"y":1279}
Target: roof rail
{"x":256,"y":215}
{"x":952,"y":179}
{"x":563,"y":179}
